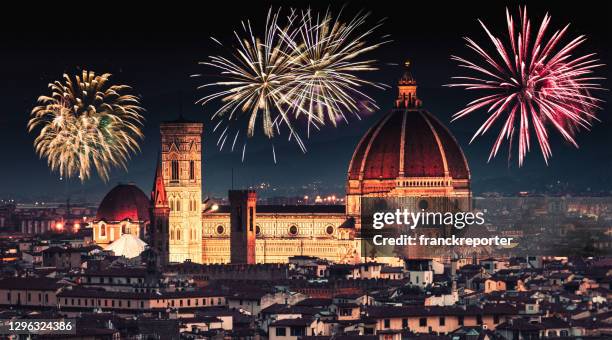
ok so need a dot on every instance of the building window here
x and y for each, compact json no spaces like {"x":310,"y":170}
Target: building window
{"x":460,"y":320}
{"x":175,"y":170}
{"x":329,"y":230}
{"x":298,"y":331}
{"x":220,"y":229}
{"x":442,"y":321}
{"x":281,"y":331}
{"x":387,"y":323}
{"x":293,"y":230}
{"x":251,"y":218}
{"x":423,"y":322}
{"x":257,"y":230}
{"x":192,"y":170}
{"x":404,"y":323}
{"x":479,"y":319}
{"x":102,"y":230}
{"x":496,"y":319}
{"x":423,"y":204}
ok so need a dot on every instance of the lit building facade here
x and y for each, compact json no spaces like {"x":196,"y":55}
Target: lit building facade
{"x":181,"y":158}
{"x":408,"y":154}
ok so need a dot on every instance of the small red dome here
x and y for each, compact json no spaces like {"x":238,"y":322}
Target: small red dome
{"x":125,"y":201}
{"x":408,"y":143}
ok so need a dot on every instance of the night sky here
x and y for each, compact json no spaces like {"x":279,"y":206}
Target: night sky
{"x":156,"y":52}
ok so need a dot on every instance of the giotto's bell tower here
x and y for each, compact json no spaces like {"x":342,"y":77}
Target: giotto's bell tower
{"x":181,"y":156}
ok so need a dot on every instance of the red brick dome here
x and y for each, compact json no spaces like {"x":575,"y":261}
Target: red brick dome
{"x":408,"y":142}
{"x":125,"y":201}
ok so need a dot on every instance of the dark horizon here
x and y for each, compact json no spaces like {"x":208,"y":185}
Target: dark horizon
{"x":158,"y":65}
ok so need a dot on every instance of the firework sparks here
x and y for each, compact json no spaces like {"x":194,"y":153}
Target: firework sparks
{"x":256,"y":72}
{"x":303,"y":68}
{"x":325,"y":51}
{"x":86,"y":123}
{"x":537,"y":82}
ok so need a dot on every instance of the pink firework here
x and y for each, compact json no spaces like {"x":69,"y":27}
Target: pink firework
{"x":537,"y":82}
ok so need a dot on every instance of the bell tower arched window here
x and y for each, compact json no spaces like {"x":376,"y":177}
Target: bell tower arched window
{"x":175,"y":170}
{"x":191,"y":170}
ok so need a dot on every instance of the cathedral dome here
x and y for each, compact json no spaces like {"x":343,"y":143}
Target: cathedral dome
{"x":408,"y":143}
{"x":125,"y":201}
{"x":405,"y":143}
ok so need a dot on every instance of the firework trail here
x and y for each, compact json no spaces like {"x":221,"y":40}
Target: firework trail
{"x":303,"y":69}
{"x":86,"y":123}
{"x":533,"y":80}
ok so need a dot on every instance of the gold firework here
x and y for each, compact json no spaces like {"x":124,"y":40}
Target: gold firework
{"x":86,"y":123}
{"x":255,"y":76}
{"x":326,"y":83}
{"x":305,"y":67}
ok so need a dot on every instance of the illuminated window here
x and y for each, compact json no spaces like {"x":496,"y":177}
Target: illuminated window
{"x":175,"y":170}
{"x":192,"y":170}
{"x":102,"y":230}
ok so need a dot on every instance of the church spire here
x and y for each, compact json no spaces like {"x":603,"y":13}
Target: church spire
{"x":407,"y":90}
{"x":158,"y":194}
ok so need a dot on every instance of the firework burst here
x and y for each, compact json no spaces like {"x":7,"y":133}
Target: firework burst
{"x":535,"y":81}
{"x":255,"y":73}
{"x":303,"y":68}
{"x":86,"y":123}
{"x":326,"y":85}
